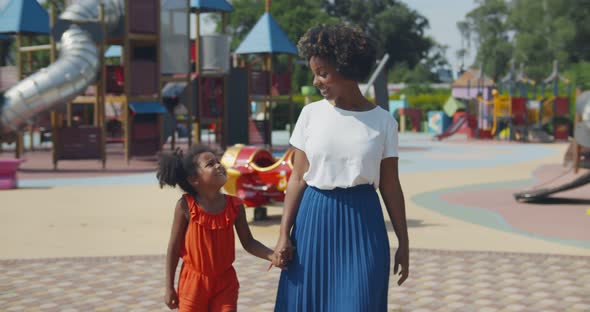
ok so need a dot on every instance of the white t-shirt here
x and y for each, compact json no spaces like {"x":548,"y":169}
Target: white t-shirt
{"x":344,"y":148}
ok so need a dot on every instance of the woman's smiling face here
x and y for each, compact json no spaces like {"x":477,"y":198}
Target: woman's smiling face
{"x":327,"y":79}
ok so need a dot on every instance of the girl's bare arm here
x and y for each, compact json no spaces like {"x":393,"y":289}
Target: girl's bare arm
{"x":179,"y":226}
{"x":250,"y":244}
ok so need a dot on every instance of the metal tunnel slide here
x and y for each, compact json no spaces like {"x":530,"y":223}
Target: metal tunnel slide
{"x":70,"y":75}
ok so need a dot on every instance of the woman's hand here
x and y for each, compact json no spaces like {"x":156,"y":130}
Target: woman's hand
{"x":171,"y":298}
{"x":402,"y":258}
{"x":283,"y":253}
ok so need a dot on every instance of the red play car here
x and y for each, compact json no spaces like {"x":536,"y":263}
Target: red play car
{"x":256,"y":177}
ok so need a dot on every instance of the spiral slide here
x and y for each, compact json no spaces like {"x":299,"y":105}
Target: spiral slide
{"x":70,"y":75}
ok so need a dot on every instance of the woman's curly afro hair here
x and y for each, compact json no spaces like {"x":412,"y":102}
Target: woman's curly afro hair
{"x":349,"y":49}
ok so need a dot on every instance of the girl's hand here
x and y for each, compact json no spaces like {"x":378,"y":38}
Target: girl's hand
{"x":402,"y":258}
{"x":283,"y":253}
{"x":171,"y":299}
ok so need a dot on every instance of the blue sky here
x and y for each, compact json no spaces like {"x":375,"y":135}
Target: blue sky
{"x":443,"y":16}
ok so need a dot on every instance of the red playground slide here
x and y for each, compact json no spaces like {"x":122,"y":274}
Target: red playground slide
{"x":458,"y":124}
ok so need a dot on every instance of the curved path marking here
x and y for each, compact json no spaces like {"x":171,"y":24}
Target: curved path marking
{"x":435,"y":200}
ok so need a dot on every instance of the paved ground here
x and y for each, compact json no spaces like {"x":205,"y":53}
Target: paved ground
{"x":440,"y":281}
{"x":83,"y":240}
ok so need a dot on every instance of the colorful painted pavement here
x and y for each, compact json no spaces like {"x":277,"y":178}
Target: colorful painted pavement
{"x":440,"y":281}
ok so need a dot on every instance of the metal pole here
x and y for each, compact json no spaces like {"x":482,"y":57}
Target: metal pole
{"x":198,"y":72}
{"x":19,"y":59}
{"x":376,"y":73}
{"x":52,"y":15}
{"x":30,"y":56}
{"x":54,"y":137}
{"x":102,"y":90}
{"x":189,"y":85}
{"x":291,"y":104}
{"x":269,"y":68}
{"x":127,"y":87}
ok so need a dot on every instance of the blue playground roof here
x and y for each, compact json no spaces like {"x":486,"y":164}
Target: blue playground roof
{"x":113,"y":51}
{"x":206,"y":6}
{"x":266,"y":37}
{"x":147,"y":107}
{"x":23,"y":16}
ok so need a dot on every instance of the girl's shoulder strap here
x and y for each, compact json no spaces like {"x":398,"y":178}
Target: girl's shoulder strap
{"x":221,"y":220}
{"x":234,"y":204}
{"x":235,"y":201}
{"x":190,"y":204}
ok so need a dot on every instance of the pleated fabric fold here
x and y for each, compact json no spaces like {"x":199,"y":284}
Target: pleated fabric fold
{"x":342,"y":258}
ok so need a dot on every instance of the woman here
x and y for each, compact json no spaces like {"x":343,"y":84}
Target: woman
{"x":333,"y":243}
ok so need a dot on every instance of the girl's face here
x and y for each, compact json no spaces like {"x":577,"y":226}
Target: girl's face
{"x":326,"y":78}
{"x":210,"y":172}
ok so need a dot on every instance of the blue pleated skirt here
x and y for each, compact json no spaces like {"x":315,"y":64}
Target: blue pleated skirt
{"x":341,"y":260}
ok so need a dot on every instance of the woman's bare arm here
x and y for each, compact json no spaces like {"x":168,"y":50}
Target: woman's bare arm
{"x":295,"y":188}
{"x":393,"y":197}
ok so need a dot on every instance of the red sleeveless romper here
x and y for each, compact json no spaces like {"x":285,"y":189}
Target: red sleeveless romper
{"x":208,"y":281}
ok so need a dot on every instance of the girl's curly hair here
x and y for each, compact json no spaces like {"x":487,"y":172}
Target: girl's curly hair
{"x":174,"y":168}
{"x":349,"y":49}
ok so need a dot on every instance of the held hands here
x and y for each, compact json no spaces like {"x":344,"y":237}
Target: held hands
{"x":402,"y":258}
{"x":171,"y":299}
{"x":283,"y":253}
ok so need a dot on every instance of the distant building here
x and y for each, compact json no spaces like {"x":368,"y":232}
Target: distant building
{"x":471,"y":84}
{"x":444,"y":75}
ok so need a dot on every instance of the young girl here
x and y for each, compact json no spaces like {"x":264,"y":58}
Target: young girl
{"x":202,"y":233}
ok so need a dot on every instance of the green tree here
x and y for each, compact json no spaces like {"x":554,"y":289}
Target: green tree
{"x":465,"y":32}
{"x":533,"y":32}
{"x":487,"y":26}
{"x":579,"y":10}
{"x":391,"y":23}
{"x":294,"y":16}
{"x":397,"y":29}
{"x":581,"y":75}
{"x":423,"y":72}
{"x":548,"y":38}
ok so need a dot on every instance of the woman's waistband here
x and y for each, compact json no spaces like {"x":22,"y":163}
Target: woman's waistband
{"x":356,"y":188}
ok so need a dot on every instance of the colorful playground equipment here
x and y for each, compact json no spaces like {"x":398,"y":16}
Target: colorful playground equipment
{"x":512,"y":116}
{"x":461,"y":121}
{"x":414,"y":115}
{"x":545,"y":113}
{"x":150,"y":50}
{"x":577,"y":157}
{"x":409,"y":117}
{"x":462,"y":106}
{"x":256,"y":177}
{"x":13,"y":27}
{"x":438,"y":122}
{"x":84,"y":30}
{"x":266,"y":85}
